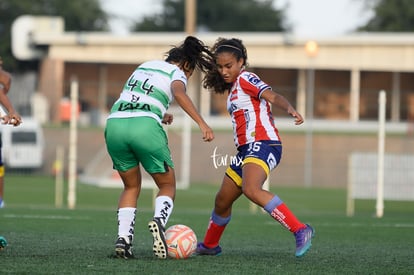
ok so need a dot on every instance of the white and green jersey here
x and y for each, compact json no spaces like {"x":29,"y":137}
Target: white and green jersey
{"x":147,"y":92}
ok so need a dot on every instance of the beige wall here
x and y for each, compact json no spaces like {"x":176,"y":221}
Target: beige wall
{"x":332,"y":88}
{"x":349,"y":70}
{"x":329,"y":161}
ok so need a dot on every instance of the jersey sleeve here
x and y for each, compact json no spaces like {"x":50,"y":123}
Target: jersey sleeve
{"x":252,"y":84}
{"x":179,"y":75}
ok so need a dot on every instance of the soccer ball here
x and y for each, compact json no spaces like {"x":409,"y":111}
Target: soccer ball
{"x":181,"y":241}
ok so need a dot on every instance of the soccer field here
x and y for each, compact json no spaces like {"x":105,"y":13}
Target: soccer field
{"x":46,"y":240}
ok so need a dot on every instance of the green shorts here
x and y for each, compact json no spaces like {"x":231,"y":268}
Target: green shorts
{"x":131,"y":141}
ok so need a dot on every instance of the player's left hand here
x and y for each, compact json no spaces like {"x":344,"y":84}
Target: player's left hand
{"x":298,"y":117}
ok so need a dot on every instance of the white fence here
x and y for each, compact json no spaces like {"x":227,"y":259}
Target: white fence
{"x":363,"y":178}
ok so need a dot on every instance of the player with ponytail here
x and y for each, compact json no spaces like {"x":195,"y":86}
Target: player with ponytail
{"x":134,"y":136}
{"x":258,"y":144}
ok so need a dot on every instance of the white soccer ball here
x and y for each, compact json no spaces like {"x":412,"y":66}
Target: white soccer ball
{"x":181,"y":241}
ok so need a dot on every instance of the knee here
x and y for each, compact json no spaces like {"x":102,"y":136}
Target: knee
{"x":132,"y":188}
{"x":250,"y":192}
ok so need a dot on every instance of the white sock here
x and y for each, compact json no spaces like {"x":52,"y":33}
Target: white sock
{"x":163,"y":208}
{"x":126,"y":223}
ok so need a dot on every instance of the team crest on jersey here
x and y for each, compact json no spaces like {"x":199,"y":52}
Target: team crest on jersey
{"x":233,"y":95}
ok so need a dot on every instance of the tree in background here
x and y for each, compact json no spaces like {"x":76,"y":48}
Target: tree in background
{"x":390,"y":16}
{"x":79,"y":15}
{"x":218,"y":15}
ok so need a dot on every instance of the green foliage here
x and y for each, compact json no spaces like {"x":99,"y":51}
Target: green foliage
{"x":45,"y":240}
{"x":79,"y":15}
{"x":390,"y":16}
{"x":218,"y":15}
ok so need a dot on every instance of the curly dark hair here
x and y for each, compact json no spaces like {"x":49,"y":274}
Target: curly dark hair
{"x":213,"y":80}
{"x":193,"y":52}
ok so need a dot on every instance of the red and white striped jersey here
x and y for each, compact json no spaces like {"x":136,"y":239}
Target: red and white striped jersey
{"x":251,"y":115}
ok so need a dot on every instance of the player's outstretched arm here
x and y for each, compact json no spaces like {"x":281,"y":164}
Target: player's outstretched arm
{"x":282,"y":103}
{"x":187,"y":105}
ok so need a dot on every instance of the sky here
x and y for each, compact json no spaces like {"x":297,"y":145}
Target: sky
{"x":310,"y":19}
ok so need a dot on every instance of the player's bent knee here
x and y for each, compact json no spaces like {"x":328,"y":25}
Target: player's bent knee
{"x":251,"y":193}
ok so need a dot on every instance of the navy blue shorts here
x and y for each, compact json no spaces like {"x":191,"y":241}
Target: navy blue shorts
{"x":266,"y":153}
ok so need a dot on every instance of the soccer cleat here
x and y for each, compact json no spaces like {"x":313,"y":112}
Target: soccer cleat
{"x":123,"y":249}
{"x":1,"y":203}
{"x":3,"y":243}
{"x":304,"y":240}
{"x":159,"y":245}
{"x":203,"y":250}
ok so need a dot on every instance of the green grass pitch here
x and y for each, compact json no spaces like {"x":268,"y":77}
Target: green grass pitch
{"x":46,"y":240}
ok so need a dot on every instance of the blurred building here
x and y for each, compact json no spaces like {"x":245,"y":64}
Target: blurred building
{"x":347,"y":72}
{"x":333,"y":82}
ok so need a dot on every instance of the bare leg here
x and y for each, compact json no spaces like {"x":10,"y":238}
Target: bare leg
{"x":228,"y":193}
{"x":166,"y":183}
{"x":253,"y":178}
{"x":132,"y":187}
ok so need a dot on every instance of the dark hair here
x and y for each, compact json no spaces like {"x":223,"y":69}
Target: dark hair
{"x":213,"y":79}
{"x":193,"y":52}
